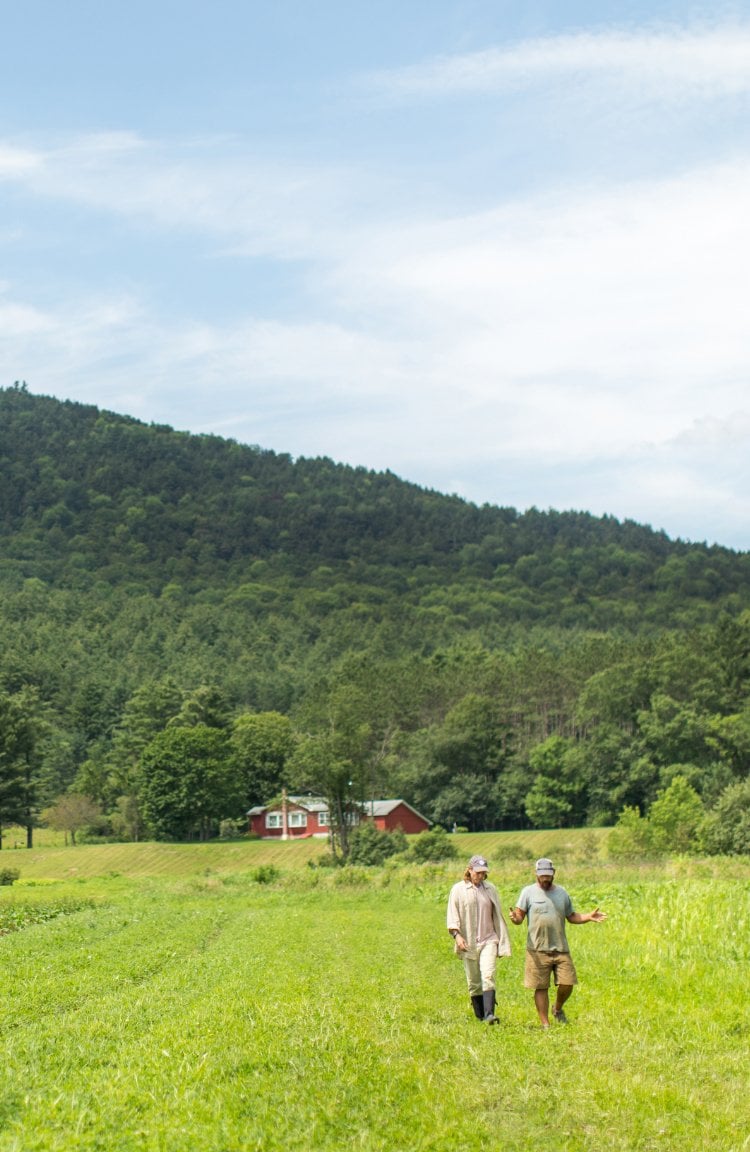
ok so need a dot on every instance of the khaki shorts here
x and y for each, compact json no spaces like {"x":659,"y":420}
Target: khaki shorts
{"x":539,"y":966}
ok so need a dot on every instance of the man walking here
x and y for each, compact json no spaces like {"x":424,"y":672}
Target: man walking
{"x":548,"y":906}
{"x":480,"y":935}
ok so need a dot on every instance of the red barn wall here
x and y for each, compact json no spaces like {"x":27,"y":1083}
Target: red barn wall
{"x":402,"y":817}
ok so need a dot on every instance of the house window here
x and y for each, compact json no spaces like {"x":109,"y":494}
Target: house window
{"x":298,"y":819}
{"x":273,"y":820}
{"x":324,"y":818}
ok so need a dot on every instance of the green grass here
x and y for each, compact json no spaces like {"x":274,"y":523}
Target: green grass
{"x":203,"y":1010}
{"x":14,"y":837}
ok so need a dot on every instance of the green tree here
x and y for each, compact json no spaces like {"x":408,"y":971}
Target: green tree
{"x":726,"y":828}
{"x":556,"y":799}
{"x":673,"y":732}
{"x":93,"y":779}
{"x":467,"y":755}
{"x":19,"y":760}
{"x":206,"y":705}
{"x":341,"y":758}
{"x":146,"y":713}
{"x":675,"y":816}
{"x":70,"y":813}
{"x":630,"y":839}
{"x":328,"y":765}
{"x":730,"y":739}
{"x":732,"y":638}
{"x":261,"y":742}
{"x":126,"y":819}
{"x":188,"y":784}
{"x":10,"y":762}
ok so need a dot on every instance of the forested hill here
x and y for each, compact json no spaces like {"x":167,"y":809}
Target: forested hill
{"x":89,"y":496}
{"x":327,"y":628}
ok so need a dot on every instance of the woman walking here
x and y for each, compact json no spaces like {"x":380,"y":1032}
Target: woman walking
{"x":480,"y":934}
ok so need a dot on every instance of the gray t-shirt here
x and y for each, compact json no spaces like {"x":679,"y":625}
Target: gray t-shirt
{"x":546,"y":912}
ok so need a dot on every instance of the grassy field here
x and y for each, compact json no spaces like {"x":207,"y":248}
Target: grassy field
{"x":51,"y":859}
{"x":184,"y":1005}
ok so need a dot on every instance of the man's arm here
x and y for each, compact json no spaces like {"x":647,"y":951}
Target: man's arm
{"x":586,"y":917}
{"x":517,"y":915}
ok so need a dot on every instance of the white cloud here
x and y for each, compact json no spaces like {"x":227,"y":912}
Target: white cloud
{"x":602,"y":317}
{"x":706,"y":62}
{"x":696,"y":485}
{"x":23,"y":321}
{"x":248,"y":205}
{"x":606,"y":317}
{"x":17,"y":162}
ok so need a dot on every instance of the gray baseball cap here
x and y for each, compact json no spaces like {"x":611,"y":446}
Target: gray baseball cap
{"x":545,"y":867}
{"x":479,"y":864}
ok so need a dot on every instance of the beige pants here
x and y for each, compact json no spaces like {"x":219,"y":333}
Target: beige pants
{"x":479,"y":965}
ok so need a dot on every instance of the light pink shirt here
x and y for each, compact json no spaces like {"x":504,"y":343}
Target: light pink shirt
{"x":485,"y":927}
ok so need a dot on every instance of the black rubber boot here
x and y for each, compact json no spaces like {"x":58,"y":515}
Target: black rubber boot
{"x":477,"y":1003}
{"x":488,"y":1004}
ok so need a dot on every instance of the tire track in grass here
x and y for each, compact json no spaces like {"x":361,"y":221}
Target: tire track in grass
{"x":249,"y":1015}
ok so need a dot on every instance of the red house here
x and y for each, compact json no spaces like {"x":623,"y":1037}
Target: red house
{"x":391,"y":814}
{"x":309,"y":816}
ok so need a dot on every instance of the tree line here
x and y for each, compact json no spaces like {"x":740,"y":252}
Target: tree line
{"x":534,"y":737}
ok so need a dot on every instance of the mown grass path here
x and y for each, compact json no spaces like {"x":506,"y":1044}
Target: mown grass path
{"x":215,"y":1013}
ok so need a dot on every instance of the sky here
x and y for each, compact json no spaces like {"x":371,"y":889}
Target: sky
{"x":499,"y":248}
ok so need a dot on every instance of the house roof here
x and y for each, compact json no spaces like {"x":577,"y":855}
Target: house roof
{"x":309,"y":803}
{"x":385,"y":807}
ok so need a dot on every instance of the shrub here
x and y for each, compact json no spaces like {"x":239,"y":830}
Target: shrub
{"x":432,"y":847}
{"x":231,"y":829}
{"x":672,"y":825}
{"x":509,"y":850}
{"x":630,"y":839}
{"x":8,"y":875}
{"x":265,"y":874}
{"x":349,"y":877}
{"x":587,"y":850}
{"x":371,"y":846}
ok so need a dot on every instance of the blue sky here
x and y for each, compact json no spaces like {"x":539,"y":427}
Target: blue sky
{"x":500,"y":249}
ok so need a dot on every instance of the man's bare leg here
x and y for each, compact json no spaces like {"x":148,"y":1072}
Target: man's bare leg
{"x":563,"y":992}
{"x":541,"y":1000}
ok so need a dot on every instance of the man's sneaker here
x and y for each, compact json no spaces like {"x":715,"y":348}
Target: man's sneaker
{"x":560,"y":1016}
